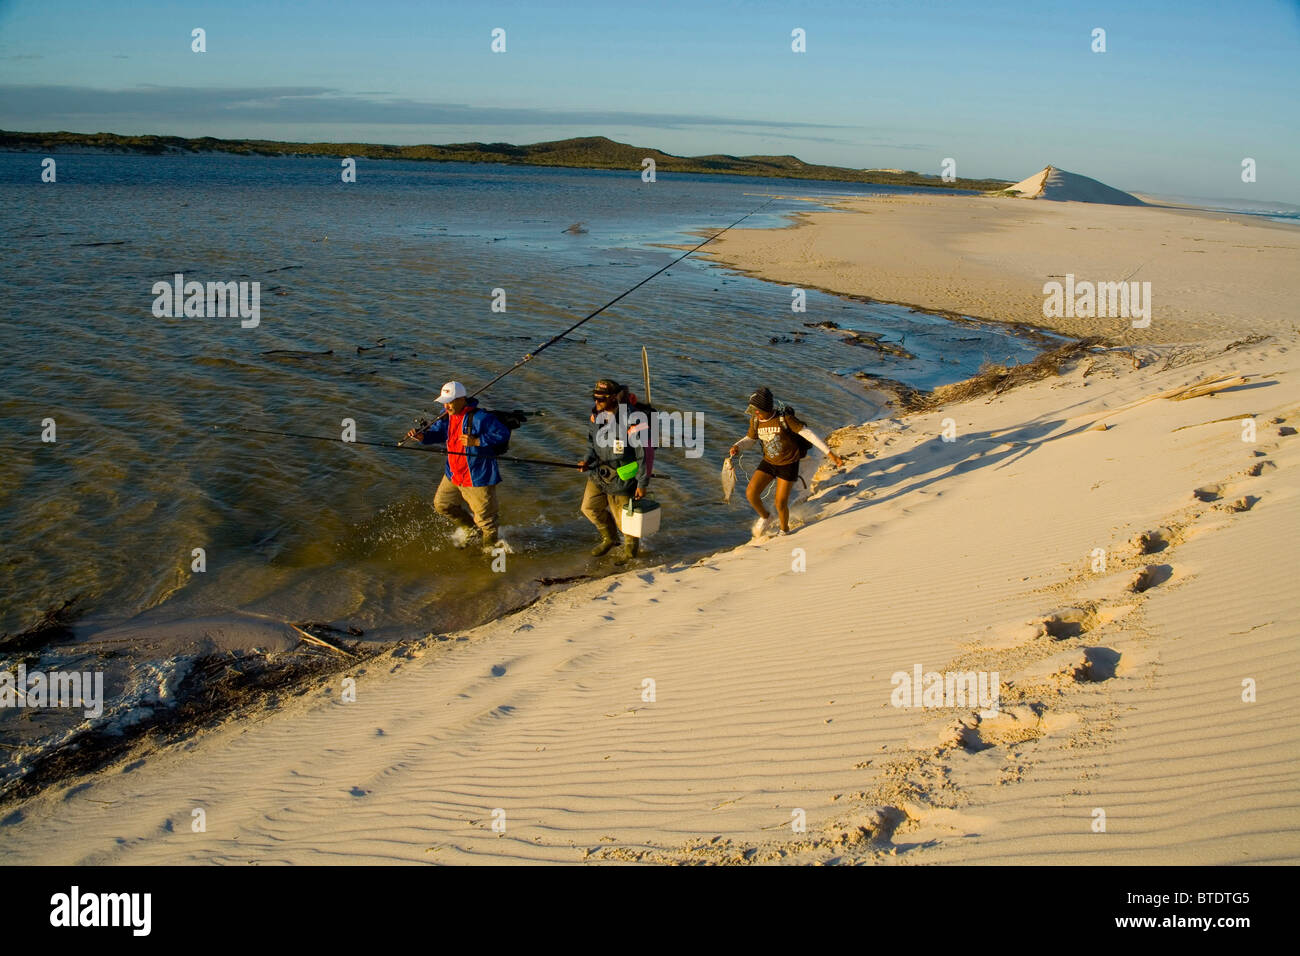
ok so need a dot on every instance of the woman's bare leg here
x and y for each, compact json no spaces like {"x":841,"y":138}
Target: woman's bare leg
{"x":754,"y":493}
{"x":783,"y":488}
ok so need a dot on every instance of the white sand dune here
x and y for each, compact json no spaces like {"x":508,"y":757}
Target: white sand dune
{"x":1059,"y":185}
{"x":772,"y":691}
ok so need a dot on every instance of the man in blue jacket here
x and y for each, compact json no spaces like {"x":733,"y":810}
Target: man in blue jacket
{"x":473,"y":438}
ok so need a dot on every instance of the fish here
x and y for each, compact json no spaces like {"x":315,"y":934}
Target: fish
{"x":728,"y":479}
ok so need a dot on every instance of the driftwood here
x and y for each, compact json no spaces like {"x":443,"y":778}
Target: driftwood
{"x":1208,"y":387}
{"x":318,"y":642}
{"x":1215,"y":421}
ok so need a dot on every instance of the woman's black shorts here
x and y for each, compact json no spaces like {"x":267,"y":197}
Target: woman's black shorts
{"x":789,"y":472}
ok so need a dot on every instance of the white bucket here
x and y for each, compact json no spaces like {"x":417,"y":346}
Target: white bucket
{"x":640,"y":519}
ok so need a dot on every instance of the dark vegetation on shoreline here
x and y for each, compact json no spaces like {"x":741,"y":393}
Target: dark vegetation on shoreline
{"x":586,"y":152}
{"x":218,"y":688}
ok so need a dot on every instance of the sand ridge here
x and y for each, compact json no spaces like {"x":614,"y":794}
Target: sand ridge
{"x":771,"y":693}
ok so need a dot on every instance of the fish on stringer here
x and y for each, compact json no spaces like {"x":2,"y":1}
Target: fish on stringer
{"x":728,"y":479}
{"x":733,"y":474}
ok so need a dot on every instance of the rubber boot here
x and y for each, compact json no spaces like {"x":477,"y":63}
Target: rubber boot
{"x":607,"y":541}
{"x":630,"y":548}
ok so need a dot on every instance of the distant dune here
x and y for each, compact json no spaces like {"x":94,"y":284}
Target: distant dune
{"x":1062,"y":186}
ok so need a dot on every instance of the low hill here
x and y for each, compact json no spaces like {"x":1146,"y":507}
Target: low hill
{"x":586,"y":152}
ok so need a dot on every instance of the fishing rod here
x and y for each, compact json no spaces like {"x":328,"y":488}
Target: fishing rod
{"x":622,"y":295}
{"x":436,"y":451}
{"x":591,"y":315}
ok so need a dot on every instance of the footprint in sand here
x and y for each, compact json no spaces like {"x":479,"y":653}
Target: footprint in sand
{"x":875,"y":828}
{"x":1067,"y":622}
{"x":1149,"y":577}
{"x":1259,"y":468}
{"x":1207,"y":492}
{"x":1241,"y":504}
{"x":1153,"y":542}
{"x":1013,"y":725}
{"x":1097,"y":664}
{"x":1081,"y":665}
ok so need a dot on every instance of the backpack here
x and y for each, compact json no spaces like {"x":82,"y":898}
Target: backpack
{"x":512,"y":420}
{"x":803,"y":443}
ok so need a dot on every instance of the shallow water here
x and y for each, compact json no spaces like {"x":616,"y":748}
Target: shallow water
{"x":410,"y":253}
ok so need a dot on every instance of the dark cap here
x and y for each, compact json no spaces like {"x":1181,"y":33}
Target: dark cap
{"x":762,"y":399}
{"x":606,"y":388}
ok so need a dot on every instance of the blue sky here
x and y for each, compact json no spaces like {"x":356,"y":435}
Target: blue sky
{"x":1184,"y":91}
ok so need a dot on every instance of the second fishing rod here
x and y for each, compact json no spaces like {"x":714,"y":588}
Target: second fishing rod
{"x":548,"y":463}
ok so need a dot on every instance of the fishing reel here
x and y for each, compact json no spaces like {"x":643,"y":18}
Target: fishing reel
{"x":421,"y":426}
{"x":606,"y":473}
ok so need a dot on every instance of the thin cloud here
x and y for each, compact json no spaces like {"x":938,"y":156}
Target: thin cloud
{"x":60,"y":105}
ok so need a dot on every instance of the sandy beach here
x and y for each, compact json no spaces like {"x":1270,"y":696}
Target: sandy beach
{"x":1211,"y":274}
{"x":1121,"y":555}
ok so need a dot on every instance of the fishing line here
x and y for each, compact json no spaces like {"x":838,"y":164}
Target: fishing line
{"x":622,"y":295}
{"x":436,"y":451}
{"x":740,"y":473}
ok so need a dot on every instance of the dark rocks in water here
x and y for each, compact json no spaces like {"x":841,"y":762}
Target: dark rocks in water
{"x":576,"y":229}
{"x":905,"y":397}
{"x":568,"y":340}
{"x":873,"y":340}
{"x":870,"y":340}
{"x":785,"y":340}
{"x":51,"y":626}
{"x":550,"y":581}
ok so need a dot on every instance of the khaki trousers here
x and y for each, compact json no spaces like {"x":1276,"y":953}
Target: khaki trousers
{"x":450,"y":499}
{"x":599,"y":508}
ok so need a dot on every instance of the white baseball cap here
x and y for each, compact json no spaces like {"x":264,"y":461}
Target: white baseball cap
{"x":450,"y":392}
